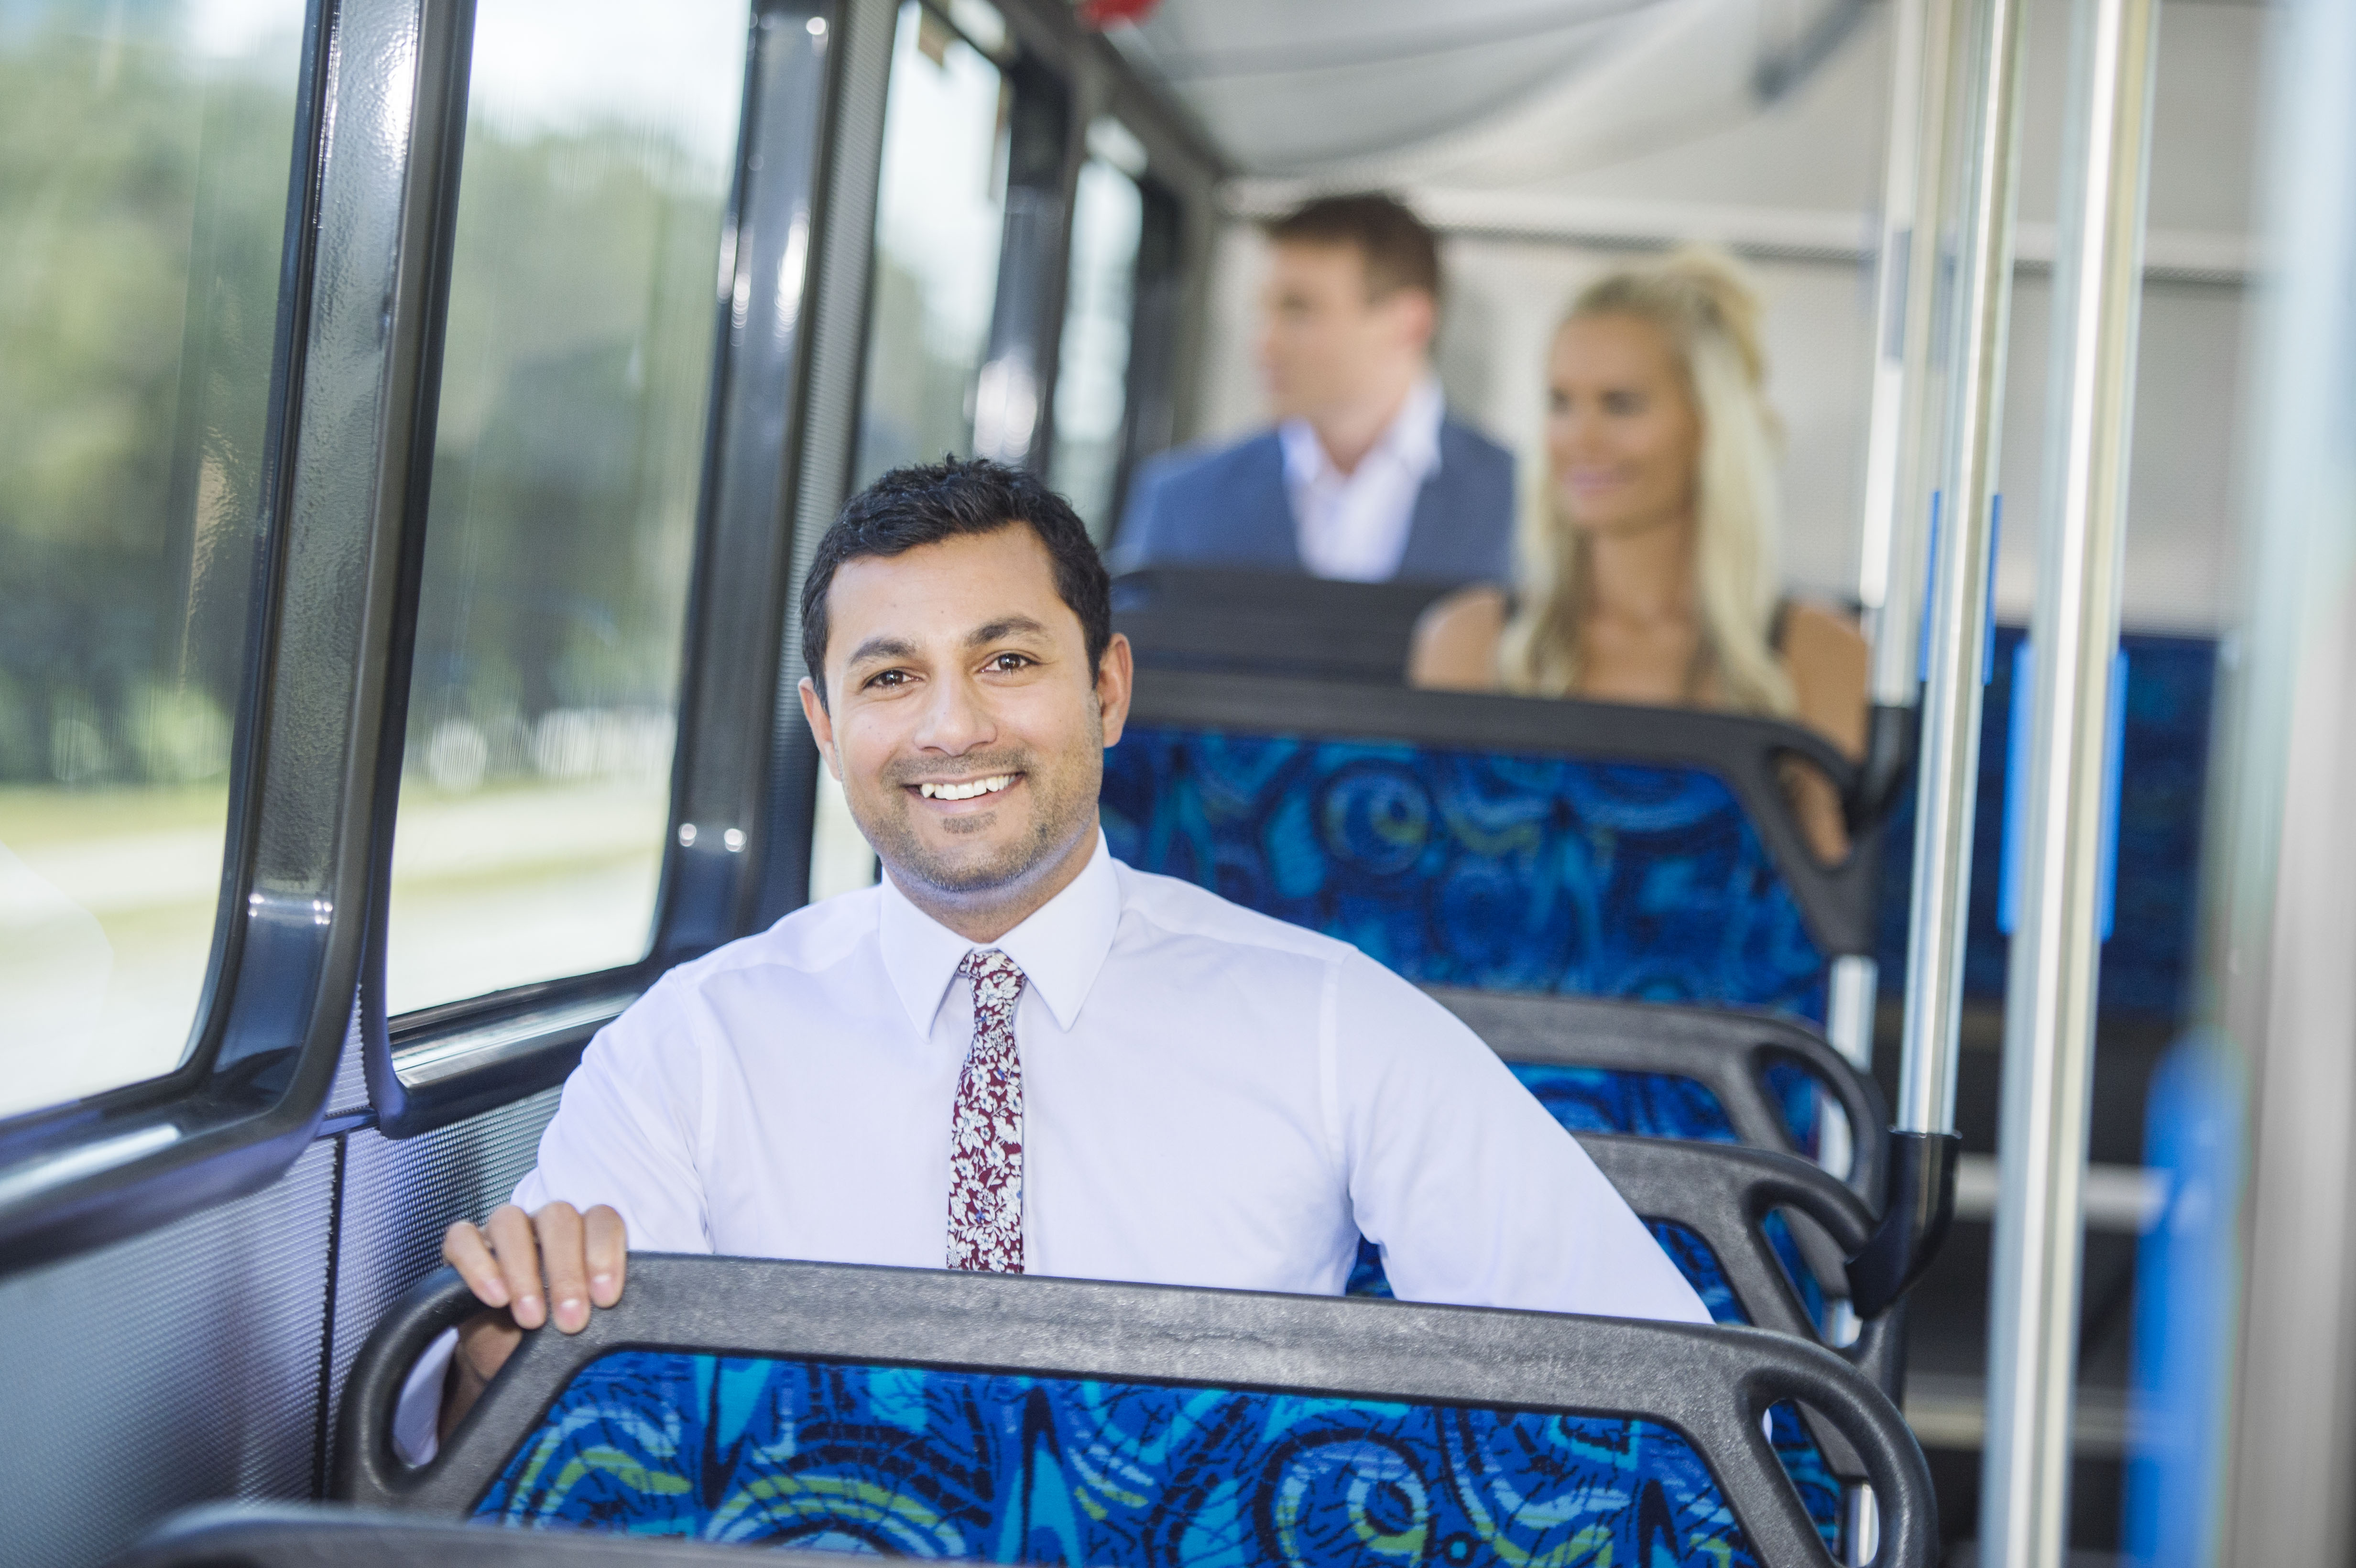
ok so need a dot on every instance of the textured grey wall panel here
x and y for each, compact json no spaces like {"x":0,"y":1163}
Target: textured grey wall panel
{"x":399,"y":1197}
{"x":175,"y":1368}
{"x":350,"y":1093}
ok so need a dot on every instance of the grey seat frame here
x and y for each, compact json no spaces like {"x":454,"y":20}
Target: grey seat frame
{"x":1724,"y":1050}
{"x":312,"y":1535}
{"x":1711,"y":1384}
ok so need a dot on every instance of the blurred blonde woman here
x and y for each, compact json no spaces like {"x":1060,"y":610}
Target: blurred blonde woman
{"x":1648,"y":568}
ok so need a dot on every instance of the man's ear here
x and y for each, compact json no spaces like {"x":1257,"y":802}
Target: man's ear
{"x":821,"y":725}
{"x":1415,"y":316}
{"x":1116,"y":676}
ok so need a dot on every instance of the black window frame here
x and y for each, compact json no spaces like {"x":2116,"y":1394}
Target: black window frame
{"x":363,"y":247}
{"x":437,"y":1065}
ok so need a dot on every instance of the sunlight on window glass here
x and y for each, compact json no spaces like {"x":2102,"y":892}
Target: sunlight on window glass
{"x":1092,"y":373}
{"x":535,"y":792}
{"x":144,"y":161}
{"x":940,"y":213}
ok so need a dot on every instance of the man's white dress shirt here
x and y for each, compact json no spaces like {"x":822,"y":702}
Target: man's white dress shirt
{"x":1354,"y":525}
{"x":1211,"y":1097}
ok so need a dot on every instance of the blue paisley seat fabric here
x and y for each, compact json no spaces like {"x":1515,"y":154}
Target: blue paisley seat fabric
{"x":931,"y":1462}
{"x":1818,"y":1487}
{"x":1462,"y":868}
{"x":1646,"y":1105}
{"x":1802,"y":1460}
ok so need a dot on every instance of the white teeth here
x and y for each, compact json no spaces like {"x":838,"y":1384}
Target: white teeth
{"x":966,"y":791}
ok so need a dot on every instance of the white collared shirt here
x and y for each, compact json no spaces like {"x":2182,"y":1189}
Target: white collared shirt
{"x":1354,"y":525}
{"x":1211,"y":1097}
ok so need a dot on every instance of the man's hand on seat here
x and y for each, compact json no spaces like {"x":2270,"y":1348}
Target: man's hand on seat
{"x":583,"y":1258}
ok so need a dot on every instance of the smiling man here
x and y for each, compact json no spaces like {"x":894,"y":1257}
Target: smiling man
{"x":1016,"y":1053}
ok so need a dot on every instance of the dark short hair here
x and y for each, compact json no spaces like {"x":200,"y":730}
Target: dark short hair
{"x":926,"y":503}
{"x":1400,"y":248}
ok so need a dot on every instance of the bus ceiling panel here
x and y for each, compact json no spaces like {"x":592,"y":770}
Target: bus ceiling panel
{"x":1104,"y":81}
{"x":358,"y":269}
{"x":1488,"y":92}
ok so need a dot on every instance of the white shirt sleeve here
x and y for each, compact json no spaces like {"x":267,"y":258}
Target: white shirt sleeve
{"x":417,"y":1414}
{"x":629,"y":1127}
{"x":626,"y":1134}
{"x":1474,"y":1193}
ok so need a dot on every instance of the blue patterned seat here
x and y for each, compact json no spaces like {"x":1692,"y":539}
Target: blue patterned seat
{"x":921,"y":1462}
{"x":1023,"y":1420}
{"x":1819,"y":1489}
{"x":1466,"y":868}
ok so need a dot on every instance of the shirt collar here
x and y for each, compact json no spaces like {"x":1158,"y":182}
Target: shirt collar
{"x":1059,"y":949}
{"x":1410,"y":439}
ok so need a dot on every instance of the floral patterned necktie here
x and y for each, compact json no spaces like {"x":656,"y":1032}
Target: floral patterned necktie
{"x":986,"y":1125}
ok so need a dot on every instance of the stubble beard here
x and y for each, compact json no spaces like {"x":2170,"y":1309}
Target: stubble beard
{"x":1063,"y":804}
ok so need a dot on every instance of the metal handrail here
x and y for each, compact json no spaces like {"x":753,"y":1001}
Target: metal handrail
{"x":1958,"y":640}
{"x":2057,"y":943}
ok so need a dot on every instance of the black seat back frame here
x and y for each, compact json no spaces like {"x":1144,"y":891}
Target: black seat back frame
{"x":1723,"y":1193}
{"x":314,"y":1535}
{"x":1713,"y":1385}
{"x":1724,"y":1050}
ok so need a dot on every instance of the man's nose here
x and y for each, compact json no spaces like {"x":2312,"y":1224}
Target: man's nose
{"x":955,"y":719}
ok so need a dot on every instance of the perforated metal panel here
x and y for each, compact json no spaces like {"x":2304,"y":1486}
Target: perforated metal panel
{"x":399,"y":1197}
{"x":350,"y":1093}
{"x":176,"y":1368}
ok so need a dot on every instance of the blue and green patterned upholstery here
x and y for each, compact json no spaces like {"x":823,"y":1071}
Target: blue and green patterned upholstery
{"x":1654,"y":1105}
{"x":1464,"y":868}
{"x":1818,"y":1488}
{"x":922,"y":1462}
{"x":1645,"y":1104}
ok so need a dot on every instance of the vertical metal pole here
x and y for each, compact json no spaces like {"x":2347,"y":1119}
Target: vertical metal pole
{"x":1897,"y":492}
{"x":1951,"y":690}
{"x":2281,"y":869}
{"x":1897,"y":497}
{"x":2056,"y":947}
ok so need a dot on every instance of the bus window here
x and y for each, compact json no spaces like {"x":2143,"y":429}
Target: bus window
{"x":1092,"y":368}
{"x":940,"y":213}
{"x":577,"y":367}
{"x":144,"y":155}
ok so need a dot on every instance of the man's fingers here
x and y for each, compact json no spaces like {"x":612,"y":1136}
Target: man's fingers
{"x":517,"y":1249}
{"x":561,"y":1254}
{"x":608,"y":1253}
{"x":463,"y":1249}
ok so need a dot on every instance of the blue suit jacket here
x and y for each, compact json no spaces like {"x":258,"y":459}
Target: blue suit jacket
{"x":1229,"y":508}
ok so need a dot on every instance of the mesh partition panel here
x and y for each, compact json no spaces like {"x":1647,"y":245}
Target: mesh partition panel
{"x":179,"y":1367}
{"x":399,"y":1197}
{"x":350,"y":1093}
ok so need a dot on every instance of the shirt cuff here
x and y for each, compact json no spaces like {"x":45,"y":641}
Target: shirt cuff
{"x":417,"y":1415}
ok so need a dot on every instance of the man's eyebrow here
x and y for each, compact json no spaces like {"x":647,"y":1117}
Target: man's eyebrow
{"x":882,"y":648}
{"x":1010,"y":627}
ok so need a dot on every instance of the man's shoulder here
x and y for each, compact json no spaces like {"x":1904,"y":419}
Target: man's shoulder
{"x":810,"y":941}
{"x":1176,"y":908}
{"x":1215,"y":465}
{"x":1464,"y":448}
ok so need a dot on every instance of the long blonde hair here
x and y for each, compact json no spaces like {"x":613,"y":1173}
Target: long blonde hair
{"x":1706,"y":308}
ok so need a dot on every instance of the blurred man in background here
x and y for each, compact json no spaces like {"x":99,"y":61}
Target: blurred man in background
{"x":1364,"y":477}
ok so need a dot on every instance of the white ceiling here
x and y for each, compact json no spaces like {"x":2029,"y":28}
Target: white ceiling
{"x":1476,"y":93}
